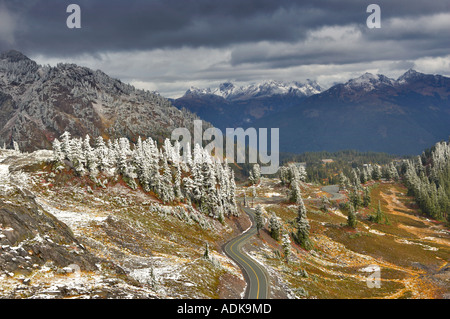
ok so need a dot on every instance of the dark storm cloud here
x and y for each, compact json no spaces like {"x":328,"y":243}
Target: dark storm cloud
{"x":147,"y":24}
{"x":169,"y":45}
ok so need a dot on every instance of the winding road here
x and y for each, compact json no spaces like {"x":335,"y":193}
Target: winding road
{"x":334,"y":191}
{"x":254,"y":273}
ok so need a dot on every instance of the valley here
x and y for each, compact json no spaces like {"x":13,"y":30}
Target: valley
{"x":96,"y":201}
{"x":127,"y":244}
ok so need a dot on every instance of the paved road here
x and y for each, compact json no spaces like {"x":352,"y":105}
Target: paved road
{"x":333,"y":190}
{"x":254,"y":273}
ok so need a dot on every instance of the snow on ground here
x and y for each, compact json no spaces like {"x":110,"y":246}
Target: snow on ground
{"x":72,"y":219}
{"x":407,"y":242}
{"x":273,"y":194}
{"x":376,"y":232}
{"x":4,"y":178}
{"x":337,"y":212}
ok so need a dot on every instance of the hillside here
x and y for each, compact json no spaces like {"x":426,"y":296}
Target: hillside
{"x":64,"y":236}
{"x":411,"y":251}
{"x":39,"y":103}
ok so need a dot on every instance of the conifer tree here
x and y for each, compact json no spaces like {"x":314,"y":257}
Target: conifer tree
{"x":295,"y":193}
{"x":274,"y":227}
{"x":351,"y":219}
{"x":206,"y":253}
{"x":259,"y":219}
{"x":255,"y":174}
{"x":366,"y":198}
{"x":66,"y":145}
{"x":177,"y":182}
{"x":301,"y":237}
{"x":343,"y":181}
{"x":57,"y":151}
{"x":167,"y":194}
{"x":286,"y":244}
{"x":253,"y":195}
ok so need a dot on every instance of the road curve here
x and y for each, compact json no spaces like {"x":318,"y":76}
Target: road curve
{"x":334,"y":191}
{"x":254,"y":273}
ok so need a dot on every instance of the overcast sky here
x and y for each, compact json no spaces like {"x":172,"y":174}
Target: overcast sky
{"x":170,"y":45}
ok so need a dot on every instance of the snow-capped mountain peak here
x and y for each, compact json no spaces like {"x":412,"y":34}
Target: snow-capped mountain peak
{"x":408,"y":75}
{"x":368,"y":82}
{"x":230,"y":91}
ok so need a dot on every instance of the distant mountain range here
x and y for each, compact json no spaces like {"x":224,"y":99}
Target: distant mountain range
{"x":236,"y":106}
{"x":368,"y":113}
{"x":38,"y":103}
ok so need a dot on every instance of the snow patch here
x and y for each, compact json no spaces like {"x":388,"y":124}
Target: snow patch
{"x":425,"y":247}
{"x":376,"y":232}
{"x":273,"y":194}
{"x":4,"y":178}
{"x":70,"y":218}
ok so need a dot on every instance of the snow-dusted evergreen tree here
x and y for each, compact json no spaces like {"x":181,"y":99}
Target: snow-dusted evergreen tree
{"x":254,"y":194}
{"x":274,"y":227}
{"x":231,"y":198}
{"x":302,"y":173}
{"x":255,"y":175}
{"x":363,"y":176}
{"x":366,"y":197}
{"x":209,"y":198}
{"x":286,"y":244}
{"x":295,"y":195}
{"x":177,"y":182}
{"x":202,"y":181}
{"x":343,"y":181}
{"x":57,"y":151}
{"x":259,"y":217}
{"x":187,"y":155}
{"x":355,"y":179}
{"x":301,"y":237}
{"x":351,"y":218}
{"x":105,"y":160}
{"x":78,"y":156}
{"x":325,"y":203}
{"x":141,"y":165}
{"x":91,"y":157}
{"x":393,"y":172}
{"x":66,"y":145}
{"x":294,"y":175}
{"x":291,"y":173}
{"x":284,"y":175}
{"x":251,"y":178}
{"x":166,"y":191}
{"x":427,"y":178}
{"x":376,"y":173}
